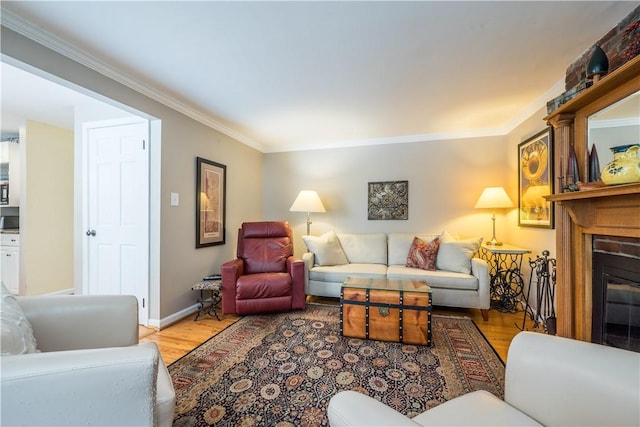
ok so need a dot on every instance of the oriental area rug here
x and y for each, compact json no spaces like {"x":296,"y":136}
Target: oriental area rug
{"x":282,"y":370}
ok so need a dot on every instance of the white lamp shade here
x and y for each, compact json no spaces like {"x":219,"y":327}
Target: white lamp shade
{"x":494,"y":198}
{"x":307,"y":201}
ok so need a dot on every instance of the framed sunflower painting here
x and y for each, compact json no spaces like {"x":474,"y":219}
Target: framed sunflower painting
{"x":535,"y":180}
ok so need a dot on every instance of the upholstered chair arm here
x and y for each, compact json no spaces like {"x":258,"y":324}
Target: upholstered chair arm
{"x":295,"y":266}
{"x":74,"y":322}
{"x":309,"y":259}
{"x":562,"y":381}
{"x":230,"y":272}
{"x":110,"y":386}
{"x":350,"y":408}
{"x":480,"y":269}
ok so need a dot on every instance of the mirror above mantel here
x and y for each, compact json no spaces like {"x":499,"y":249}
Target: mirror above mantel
{"x":617,"y":125}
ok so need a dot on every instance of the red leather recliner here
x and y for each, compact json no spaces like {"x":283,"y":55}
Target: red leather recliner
{"x":265,"y":277}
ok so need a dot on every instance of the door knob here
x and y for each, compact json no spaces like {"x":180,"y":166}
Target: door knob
{"x":91,"y":232}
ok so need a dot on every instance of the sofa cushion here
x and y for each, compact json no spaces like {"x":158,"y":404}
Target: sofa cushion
{"x":422,"y":254}
{"x":326,"y":248}
{"x":399,"y":244}
{"x":365,"y":248}
{"x":455,"y":255}
{"x":17,"y":334}
{"x":339,"y":273}
{"x":436,"y":279}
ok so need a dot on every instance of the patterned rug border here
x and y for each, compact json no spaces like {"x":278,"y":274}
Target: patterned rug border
{"x":331,"y":305}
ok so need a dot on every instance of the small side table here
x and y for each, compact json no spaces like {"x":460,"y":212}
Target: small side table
{"x":507,"y":284}
{"x":209,"y":297}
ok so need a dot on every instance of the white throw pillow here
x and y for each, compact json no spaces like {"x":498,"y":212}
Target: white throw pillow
{"x":17,"y":335}
{"x":455,"y":255}
{"x":326,"y":248}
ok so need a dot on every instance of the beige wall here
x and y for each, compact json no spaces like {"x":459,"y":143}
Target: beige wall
{"x":445,"y":181}
{"x":182,"y":140}
{"x":46,"y":207}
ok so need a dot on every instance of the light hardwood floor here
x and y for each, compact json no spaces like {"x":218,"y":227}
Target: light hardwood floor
{"x":180,"y":338}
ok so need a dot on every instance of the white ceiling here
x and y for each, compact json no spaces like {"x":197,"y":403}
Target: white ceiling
{"x":299,"y":75}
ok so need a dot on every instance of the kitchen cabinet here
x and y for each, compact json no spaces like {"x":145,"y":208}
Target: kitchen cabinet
{"x":9,"y":173}
{"x":10,"y":261}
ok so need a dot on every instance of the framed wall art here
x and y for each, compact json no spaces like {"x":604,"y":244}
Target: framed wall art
{"x":388,"y":200}
{"x":211,"y":183}
{"x":535,"y":180}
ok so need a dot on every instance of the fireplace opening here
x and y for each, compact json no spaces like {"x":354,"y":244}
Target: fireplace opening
{"x":616,"y":301}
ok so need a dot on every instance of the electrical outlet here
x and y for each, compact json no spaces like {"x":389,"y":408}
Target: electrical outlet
{"x":175,"y":199}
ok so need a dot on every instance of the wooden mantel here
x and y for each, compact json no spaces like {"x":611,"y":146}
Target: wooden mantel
{"x":607,"y":210}
{"x":611,"y":211}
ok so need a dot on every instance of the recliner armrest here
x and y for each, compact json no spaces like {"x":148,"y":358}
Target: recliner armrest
{"x":73,"y":322}
{"x":109,"y":386}
{"x":230,"y":272}
{"x":296,"y":269}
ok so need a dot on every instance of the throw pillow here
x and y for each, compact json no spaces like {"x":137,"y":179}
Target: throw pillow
{"x":326,"y":248}
{"x":422,"y":254}
{"x":455,"y":255}
{"x":17,"y":335}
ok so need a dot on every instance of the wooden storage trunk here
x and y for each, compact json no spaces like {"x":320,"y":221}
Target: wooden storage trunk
{"x":386,"y":315}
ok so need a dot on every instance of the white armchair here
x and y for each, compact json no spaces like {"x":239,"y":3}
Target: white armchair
{"x":549,"y":381}
{"x":90,"y":369}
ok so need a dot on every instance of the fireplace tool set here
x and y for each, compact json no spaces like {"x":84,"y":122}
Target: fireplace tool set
{"x":543,"y":277}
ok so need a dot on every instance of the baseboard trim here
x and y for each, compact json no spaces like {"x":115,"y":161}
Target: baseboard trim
{"x":173,"y":318}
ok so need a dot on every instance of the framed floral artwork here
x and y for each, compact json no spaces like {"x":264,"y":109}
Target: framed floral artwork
{"x":535,"y":180}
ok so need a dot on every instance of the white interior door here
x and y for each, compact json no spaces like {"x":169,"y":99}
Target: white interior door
{"x":117,"y":216}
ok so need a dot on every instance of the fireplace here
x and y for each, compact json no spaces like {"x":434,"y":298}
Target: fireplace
{"x":616,"y":300}
{"x":594,"y":210}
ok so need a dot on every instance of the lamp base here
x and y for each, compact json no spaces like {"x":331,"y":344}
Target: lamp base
{"x":493,"y":241}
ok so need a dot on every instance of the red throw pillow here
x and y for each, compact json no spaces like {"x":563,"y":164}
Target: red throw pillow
{"x":423,"y":255}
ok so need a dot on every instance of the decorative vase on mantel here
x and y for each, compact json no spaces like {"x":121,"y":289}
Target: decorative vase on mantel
{"x":625,"y":167}
{"x":594,"y":165}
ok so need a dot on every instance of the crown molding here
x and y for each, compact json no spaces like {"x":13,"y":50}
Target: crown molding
{"x":23,"y":27}
{"x":407,"y":139}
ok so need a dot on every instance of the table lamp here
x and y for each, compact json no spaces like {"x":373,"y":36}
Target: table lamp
{"x":307,"y":201}
{"x":494,"y":198}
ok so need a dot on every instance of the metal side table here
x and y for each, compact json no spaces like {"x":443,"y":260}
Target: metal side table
{"x":507,"y":284}
{"x":210,"y":296}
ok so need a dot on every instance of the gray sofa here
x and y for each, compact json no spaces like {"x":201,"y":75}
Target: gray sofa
{"x":460,"y":279}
